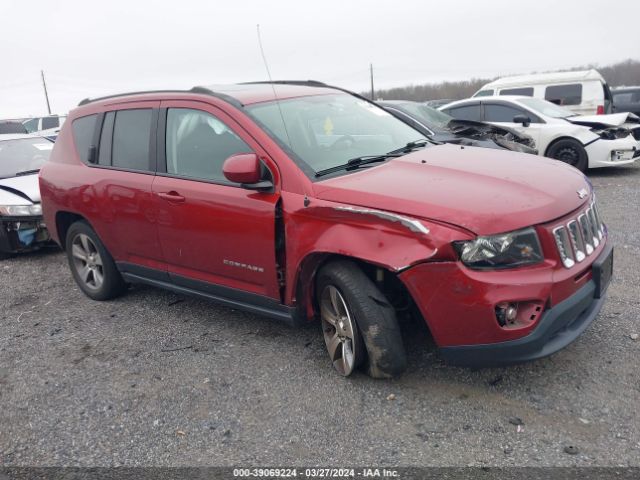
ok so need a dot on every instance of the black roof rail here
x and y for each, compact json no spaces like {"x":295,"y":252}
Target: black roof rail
{"x":306,"y":83}
{"x":201,"y":90}
{"x":310,"y":83}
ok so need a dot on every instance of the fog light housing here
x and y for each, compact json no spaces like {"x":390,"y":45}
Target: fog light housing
{"x":506,"y":313}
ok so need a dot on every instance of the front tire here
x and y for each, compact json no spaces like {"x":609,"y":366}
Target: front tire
{"x":358,"y":322}
{"x":570,"y":151}
{"x":92,"y":266}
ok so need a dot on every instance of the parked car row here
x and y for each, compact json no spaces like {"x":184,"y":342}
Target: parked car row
{"x":301,"y":201}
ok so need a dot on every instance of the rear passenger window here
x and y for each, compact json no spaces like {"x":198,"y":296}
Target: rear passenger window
{"x":524,"y":92}
{"x":467,"y":112}
{"x":198,"y":144}
{"x":131,"y":137}
{"x":564,"y":94}
{"x":83,"y":131}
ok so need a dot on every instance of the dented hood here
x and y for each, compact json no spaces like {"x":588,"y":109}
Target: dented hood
{"x":485,"y":191}
{"x":19,"y":190}
{"x":603,"y":121}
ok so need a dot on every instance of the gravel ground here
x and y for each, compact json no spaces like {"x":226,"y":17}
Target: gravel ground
{"x":156,"y":379}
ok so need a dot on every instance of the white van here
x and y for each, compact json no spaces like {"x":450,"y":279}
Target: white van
{"x":585,"y":92}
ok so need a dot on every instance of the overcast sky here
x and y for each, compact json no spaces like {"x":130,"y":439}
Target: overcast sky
{"x":92,"y":48}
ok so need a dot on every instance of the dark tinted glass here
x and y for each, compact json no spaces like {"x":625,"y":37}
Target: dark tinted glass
{"x":83,"y":130}
{"x":12,"y":127}
{"x":501,"y":113}
{"x":564,"y":94}
{"x":131,"y":131}
{"x":50,"y":122}
{"x":622,"y":97}
{"x":106,"y":136}
{"x":525,"y":91}
{"x":468,"y":112}
{"x":198,"y":143}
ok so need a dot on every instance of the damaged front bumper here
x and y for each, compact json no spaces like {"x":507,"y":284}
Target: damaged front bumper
{"x":22,"y":234}
{"x":606,"y":153}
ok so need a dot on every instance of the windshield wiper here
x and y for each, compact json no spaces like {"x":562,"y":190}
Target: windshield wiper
{"x":357,"y":162}
{"x":422,"y":142}
{"x":364,"y":160}
{"x":27,"y":172}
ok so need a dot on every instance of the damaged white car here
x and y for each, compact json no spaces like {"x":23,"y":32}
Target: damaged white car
{"x":581,"y":141}
{"x":21,"y":225}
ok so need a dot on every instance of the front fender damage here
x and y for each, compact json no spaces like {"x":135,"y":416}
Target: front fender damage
{"x":391,"y":241}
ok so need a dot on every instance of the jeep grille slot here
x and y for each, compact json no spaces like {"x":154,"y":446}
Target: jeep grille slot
{"x":564,"y":249}
{"x":579,"y":236}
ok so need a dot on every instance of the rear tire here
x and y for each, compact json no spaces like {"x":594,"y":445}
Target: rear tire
{"x":92,"y":266}
{"x":570,"y":151}
{"x":5,"y":255}
{"x":376,"y":341}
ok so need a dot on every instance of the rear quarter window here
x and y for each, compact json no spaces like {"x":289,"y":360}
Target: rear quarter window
{"x":564,"y":94}
{"x":83,"y":131}
{"x":484,"y":93}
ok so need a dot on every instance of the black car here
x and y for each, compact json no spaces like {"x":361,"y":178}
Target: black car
{"x":440,"y":127}
{"x":11,"y":127}
{"x":626,"y":99}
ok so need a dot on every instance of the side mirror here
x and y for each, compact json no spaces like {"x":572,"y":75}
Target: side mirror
{"x":523,"y":119}
{"x":245,"y":169}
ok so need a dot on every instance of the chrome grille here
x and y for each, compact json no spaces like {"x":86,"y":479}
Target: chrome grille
{"x":579,"y":236}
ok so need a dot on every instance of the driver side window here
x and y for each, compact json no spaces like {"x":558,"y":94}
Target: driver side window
{"x":505,"y":113}
{"x":198,"y":143}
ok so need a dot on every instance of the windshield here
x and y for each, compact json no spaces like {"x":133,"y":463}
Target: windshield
{"x":427,"y":115}
{"x":31,"y":125}
{"x":23,"y":155}
{"x":325,"y":131}
{"x":546,"y":108}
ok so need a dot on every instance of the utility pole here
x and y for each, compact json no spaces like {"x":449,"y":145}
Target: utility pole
{"x":372,"y":91}
{"x":46,"y":95}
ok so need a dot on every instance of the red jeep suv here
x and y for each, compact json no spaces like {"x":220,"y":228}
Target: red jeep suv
{"x":300,"y":201}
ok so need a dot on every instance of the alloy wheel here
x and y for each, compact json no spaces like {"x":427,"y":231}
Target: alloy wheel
{"x":87,"y":261}
{"x":339,"y":330}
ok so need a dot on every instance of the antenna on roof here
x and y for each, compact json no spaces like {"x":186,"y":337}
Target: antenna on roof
{"x":275,"y":95}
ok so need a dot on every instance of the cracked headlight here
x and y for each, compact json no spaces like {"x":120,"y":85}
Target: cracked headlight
{"x":21,"y":210}
{"x":506,"y":250}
